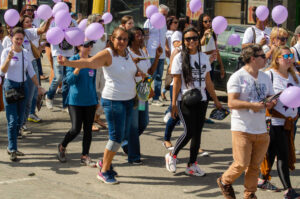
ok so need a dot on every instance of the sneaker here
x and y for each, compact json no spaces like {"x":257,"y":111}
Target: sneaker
{"x":107,"y":177}
{"x":13,"y":156}
{"x":18,"y":153}
{"x":49,"y":103}
{"x":88,"y":162}
{"x":61,"y":154}
{"x":266,"y":185}
{"x":24,"y":130}
{"x":251,"y":196}
{"x":170,"y":163}
{"x":33,"y":118}
{"x":170,"y":147}
{"x":167,"y":117}
{"x":291,"y":194}
{"x":113,"y":172}
{"x":59,"y":91}
{"x":157,"y":103}
{"x":125,"y":149}
{"x":226,"y":190}
{"x":209,"y":121}
{"x":137,"y":162}
{"x":203,"y":153}
{"x":195,"y":170}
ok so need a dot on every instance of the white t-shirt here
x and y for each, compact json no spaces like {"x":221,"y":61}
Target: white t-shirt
{"x":169,"y":34}
{"x":36,"y":23}
{"x":211,"y":45}
{"x":205,"y":68}
{"x":143,"y":65}
{"x":250,"y":90}
{"x":279,"y":84}
{"x":30,"y":35}
{"x":6,"y":43}
{"x":248,"y":36}
{"x":99,"y":45}
{"x":119,"y":78}
{"x":55,"y":50}
{"x":14,"y":71}
{"x":156,"y":38}
{"x":177,"y":36}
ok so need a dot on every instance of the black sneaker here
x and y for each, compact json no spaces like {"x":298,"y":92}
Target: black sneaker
{"x":18,"y":153}
{"x":137,"y":162}
{"x":267,"y":185}
{"x":291,"y":194}
{"x":61,"y":154}
{"x":13,"y":156}
{"x":226,"y":190}
{"x":125,"y":149}
{"x":20,"y":136}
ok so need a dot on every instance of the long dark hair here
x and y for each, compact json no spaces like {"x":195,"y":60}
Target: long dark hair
{"x":22,"y":20}
{"x":25,"y":8}
{"x":181,"y":23}
{"x":131,"y":34}
{"x":201,"y":28}
{"x":170,"y":20}
{"x":185,"y":56}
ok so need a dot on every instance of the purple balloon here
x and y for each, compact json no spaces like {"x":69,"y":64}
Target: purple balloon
{"x":107,"y":18}
{"x":150,"y":10}
{"x":195,"y":5}
{"x":56,"y":1}
{"x":44,"y":12}
{"x":74,"y":36}
{"x":94,"y":31}
{"x":279,"y":14}
{"x":234,"y":40}
{"x":82,"y":25}
{"x":60,"y":6}
{"x":262,"y":13}
{"x":11,"y":17}
{"x":158,"y":20}
{"x":55,"y":35}
{"x":219,"y":24}
{"x":290,"y":97}
{"x":63,"y":19}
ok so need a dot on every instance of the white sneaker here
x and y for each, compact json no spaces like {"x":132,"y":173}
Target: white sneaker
{"x":58,"y":91}
{"x":34,"y":118}
{"x":157,"y":103}
{"x":170,"y":163}
{"x":49,"y":103}
{"x":195,"y":170}
{"x":65,"y":110}
{"x":204,"y":154}
{"x":167,"y":117}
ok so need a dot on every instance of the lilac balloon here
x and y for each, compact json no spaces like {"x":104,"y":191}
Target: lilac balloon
{"x":74,"y":36}
{"x":82,"y":25}
{"x":290,"y":97}
{"x":279,"y":14}
{"x":158,"y":20}
{"x":107,"y":18}
{"x":94,"y":31}
{"x":44,"y":12}
{"x":55,"y":35}
{"x":195,"y":5}
{"x":11,"y":17}
{"x":63,"y":19}
{"x":234,"y":39}
{"x":219,"y":24}
{"x":60,"y":6}
{"x":56,"y":1}
{"x":262,"y":13}
{"x":150,"y":10}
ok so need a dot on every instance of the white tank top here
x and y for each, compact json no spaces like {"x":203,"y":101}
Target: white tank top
{"x":119,"y":78}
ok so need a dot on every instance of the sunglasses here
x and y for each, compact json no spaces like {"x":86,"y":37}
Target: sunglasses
{"x":122,"y":39}
{"x":175,"y":22}
{"x":286,"y":56}
{"x":88,"y":45}
{"x":29,"y":10}
{"x":207,"y":21}
{"x":188,"y":39}
{"x":283,"y":39}
{"x":262,"y":56}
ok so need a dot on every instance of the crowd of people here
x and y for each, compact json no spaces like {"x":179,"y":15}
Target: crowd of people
{"x":107,"y":71}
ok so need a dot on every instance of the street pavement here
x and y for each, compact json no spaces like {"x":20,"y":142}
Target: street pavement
{"x":40,"y":175}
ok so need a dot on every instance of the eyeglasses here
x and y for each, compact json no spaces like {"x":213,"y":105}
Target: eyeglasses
{"x":188,"y":39}
{"x":262,"y":56}
{"x":122,"y":39}
{"x":207,"y":21}
{"x":286,"y":56}
{"x":29,"y":10}
{"x":283,"y":39}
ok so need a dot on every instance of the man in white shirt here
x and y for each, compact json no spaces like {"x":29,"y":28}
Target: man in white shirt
{"x":246,"y":89}
{"x":65,"y":50}
{"x":157,"y":38}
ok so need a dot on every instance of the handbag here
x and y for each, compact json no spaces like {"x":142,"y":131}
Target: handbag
{"x":194,"y":96}
{"x":15,"y":95}
{"x":35,"y":51}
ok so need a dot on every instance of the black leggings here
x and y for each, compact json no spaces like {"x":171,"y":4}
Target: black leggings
{"x":279,"y":146}
{"x":192,"y":118}
{"x":81,"y":115}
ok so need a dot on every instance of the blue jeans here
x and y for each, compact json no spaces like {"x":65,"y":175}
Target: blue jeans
{"x":59,"y":76}
{"x":157,"y":76}
{"x":14,"y":114}
{"x":118,"y":116}
{"x":139,"y":122}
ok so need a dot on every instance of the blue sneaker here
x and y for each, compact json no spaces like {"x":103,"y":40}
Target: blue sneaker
{"x":107,"y":177}
{"x":113,"y":172}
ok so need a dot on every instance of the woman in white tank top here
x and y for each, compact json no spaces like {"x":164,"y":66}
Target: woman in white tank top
{"x":117,"y":96}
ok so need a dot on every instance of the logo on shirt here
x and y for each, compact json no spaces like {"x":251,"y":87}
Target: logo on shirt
{"x":91,"y":73}
{"x":15,"y":58}
{"x":195,"y":72}
{"x":26,"y":42}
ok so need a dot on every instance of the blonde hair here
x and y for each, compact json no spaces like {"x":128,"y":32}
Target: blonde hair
{"x":275,"y":64}
{"x":278,"y":32}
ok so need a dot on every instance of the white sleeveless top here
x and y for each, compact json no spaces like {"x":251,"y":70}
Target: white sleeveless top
{"x":119,"y":78}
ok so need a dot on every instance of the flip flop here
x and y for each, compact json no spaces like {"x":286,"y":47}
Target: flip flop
{"x":101,"y":123}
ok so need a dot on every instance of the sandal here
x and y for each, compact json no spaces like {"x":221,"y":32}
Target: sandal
{"x":170,"y":148}
{"x":95,"y":128}
{"x":101,"y":123}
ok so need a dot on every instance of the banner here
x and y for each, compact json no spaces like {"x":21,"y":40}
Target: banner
{"x":32,"y":2}
{"x":73,"y":4}
{"x":251,"y":4}
{"x":148,"y":3}
{"x":3,"y":4}
{"x":194,"y":16}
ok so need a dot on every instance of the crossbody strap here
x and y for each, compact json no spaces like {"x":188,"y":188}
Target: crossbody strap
{"x":22,"y":67}
{"x":297,"y":53}
{"x":254,"y":35}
